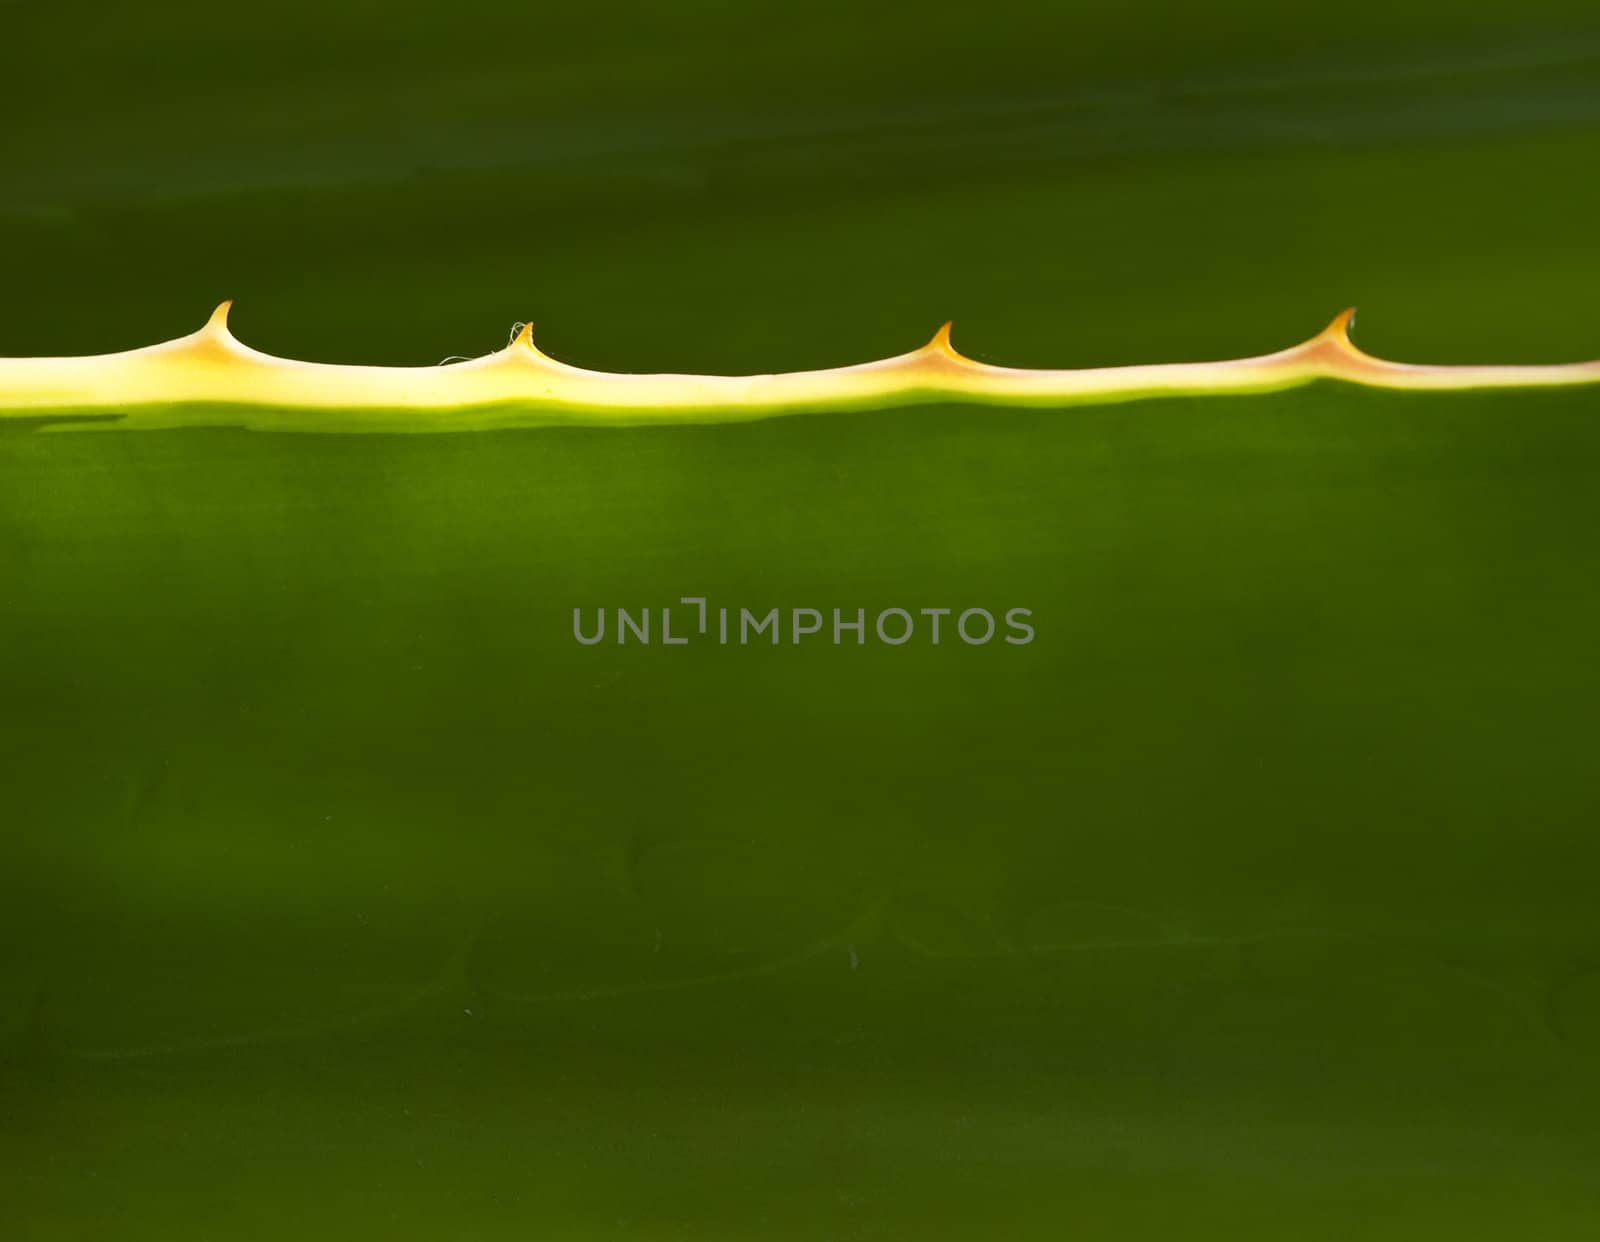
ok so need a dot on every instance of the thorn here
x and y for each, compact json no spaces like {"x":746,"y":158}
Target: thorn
{"x":1339,"y":329}
{"x":522,"y":335}
{"x":941,"y":342}
{"x":219,"y":317}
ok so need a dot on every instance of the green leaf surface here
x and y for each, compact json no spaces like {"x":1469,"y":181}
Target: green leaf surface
{"x":344,"y":894}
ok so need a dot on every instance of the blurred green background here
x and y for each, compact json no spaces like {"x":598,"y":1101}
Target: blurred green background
{"x":342,"y":894}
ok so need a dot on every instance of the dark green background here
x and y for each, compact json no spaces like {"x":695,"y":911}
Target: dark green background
{"x":342,"y":894}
